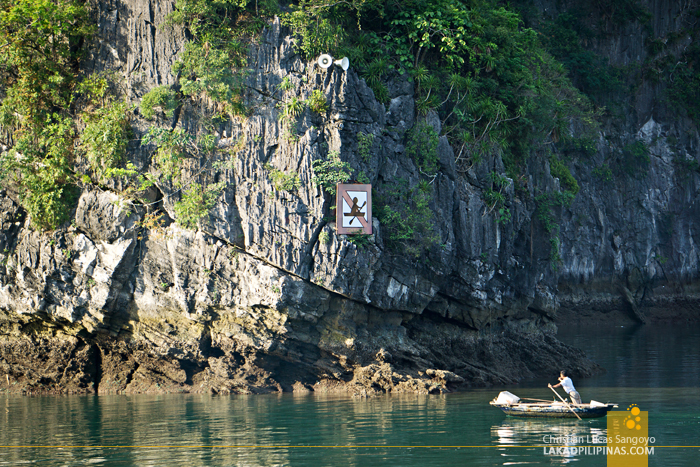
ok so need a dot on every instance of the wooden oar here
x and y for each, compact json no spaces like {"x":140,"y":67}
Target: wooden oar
{"x":531,"y":399}
{"x":572,"y":410}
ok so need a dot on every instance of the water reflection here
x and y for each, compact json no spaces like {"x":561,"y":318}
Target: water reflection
{"x":141,"y":430}
{"x":657,"y":372}
{"x":650,"y":356}
{"x":209,"y":430}
{"x":546,"y":433}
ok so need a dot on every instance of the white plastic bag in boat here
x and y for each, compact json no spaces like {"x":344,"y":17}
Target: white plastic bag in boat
{"x":506,"y":397}
{"x":597,"y":404}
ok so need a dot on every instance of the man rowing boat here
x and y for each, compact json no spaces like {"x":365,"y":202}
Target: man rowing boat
{"x":568,"y":385}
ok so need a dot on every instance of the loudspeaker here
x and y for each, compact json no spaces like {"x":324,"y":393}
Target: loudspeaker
{"x":325,"y":60}
{"x":344,"y":63}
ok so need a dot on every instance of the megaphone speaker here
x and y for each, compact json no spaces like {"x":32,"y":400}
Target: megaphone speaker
{"x":344,"y":63}
{"x":325,"y":60}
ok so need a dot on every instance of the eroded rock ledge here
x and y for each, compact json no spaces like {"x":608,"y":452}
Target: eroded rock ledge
{"x":415,"y":359}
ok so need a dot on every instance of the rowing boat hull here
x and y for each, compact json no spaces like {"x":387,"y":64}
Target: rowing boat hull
{"x":553,"y":411}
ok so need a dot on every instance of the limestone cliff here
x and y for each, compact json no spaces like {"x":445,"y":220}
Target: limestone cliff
{"x":265,"y":296}
{"x":629,"y":243}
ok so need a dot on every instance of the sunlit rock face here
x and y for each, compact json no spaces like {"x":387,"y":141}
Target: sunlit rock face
{"x":266,"y":296}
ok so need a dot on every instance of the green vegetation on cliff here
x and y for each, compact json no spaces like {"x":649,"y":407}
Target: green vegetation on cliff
{"x":41,"y":43}
{"x":499,"y":93}
{"x":64,"y":130}
{"x":670,"y":63}
{"x":213,"y":60}
{"x":496,"y":89}
{"x":682,"y":74}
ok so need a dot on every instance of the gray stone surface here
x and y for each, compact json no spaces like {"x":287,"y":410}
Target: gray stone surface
{"x":265,"y":296}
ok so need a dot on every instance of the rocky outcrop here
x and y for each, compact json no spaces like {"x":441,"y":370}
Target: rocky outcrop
{"x":266,"y":296}
{"x":629,"y":241}
{"x":177,"y":310}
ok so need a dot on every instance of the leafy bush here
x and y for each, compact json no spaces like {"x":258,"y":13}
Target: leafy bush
{"x":210,"y":64}
{"x":162,"y":97}
{"x":173,"y":146}
{"x":283,"y":181}
{"x":559,"y":170}
{"x":495,"y":199}
{"x":324,"y":237}
{"x":286,"y":85}
{"x":224,"y":24}
{"x":95,"y":87}
{"x":40,"y":165}
{"x":328,"y":173}
{"x":170,"y":150}
{"x":196,"y":203}
{"x":363,"y":178}
{"x":603,"y":173}
{"x":360,"y":240}
{"x":291,"y":108}
{"x":422,"y":147}
{"x":41,"y":44}
{"x":364,"y":145}
{"x":374,"y":74}
{"x":206,"y":143}
{"x":221,"y":31}
{"x":546,"y":202}
{"x":317,"y":102}
{"x":105,"y":137}
{"x":317,"y":33}
{"x":209,"y":72}
{"x":554,"y":255}
{"x":635,"y":158}
{"x":684,"y":81}
{"x":406,"y":217}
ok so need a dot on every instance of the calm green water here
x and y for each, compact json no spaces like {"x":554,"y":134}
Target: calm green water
{"x":657,"y":368}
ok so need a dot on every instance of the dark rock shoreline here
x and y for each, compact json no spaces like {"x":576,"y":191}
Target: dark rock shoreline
{"x":65,"y":364}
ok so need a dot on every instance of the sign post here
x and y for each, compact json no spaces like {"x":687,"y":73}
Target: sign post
{"x":353,"y":209}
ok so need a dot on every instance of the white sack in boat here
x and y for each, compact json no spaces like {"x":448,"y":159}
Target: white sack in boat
{"x":506,"y":397}
{"x":597,"y":404}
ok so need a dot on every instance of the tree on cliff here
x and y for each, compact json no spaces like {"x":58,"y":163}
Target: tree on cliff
{"x":41,"y":45}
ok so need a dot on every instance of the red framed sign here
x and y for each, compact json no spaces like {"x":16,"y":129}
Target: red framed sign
{"x":353,"y":209}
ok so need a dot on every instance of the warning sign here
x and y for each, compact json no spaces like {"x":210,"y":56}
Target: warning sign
{"x":354,"y":209}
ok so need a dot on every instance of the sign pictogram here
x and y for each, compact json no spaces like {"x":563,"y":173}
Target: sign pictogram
{"x":354,"y":209}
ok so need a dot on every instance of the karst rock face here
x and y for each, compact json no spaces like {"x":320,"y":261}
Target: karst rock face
{"x":266,"y":296}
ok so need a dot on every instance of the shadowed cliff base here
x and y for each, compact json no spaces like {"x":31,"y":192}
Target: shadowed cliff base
{"x":430,"y":357}
{"x":619,"y":303}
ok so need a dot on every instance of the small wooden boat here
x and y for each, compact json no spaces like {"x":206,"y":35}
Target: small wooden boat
{"x":555,"y":409}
